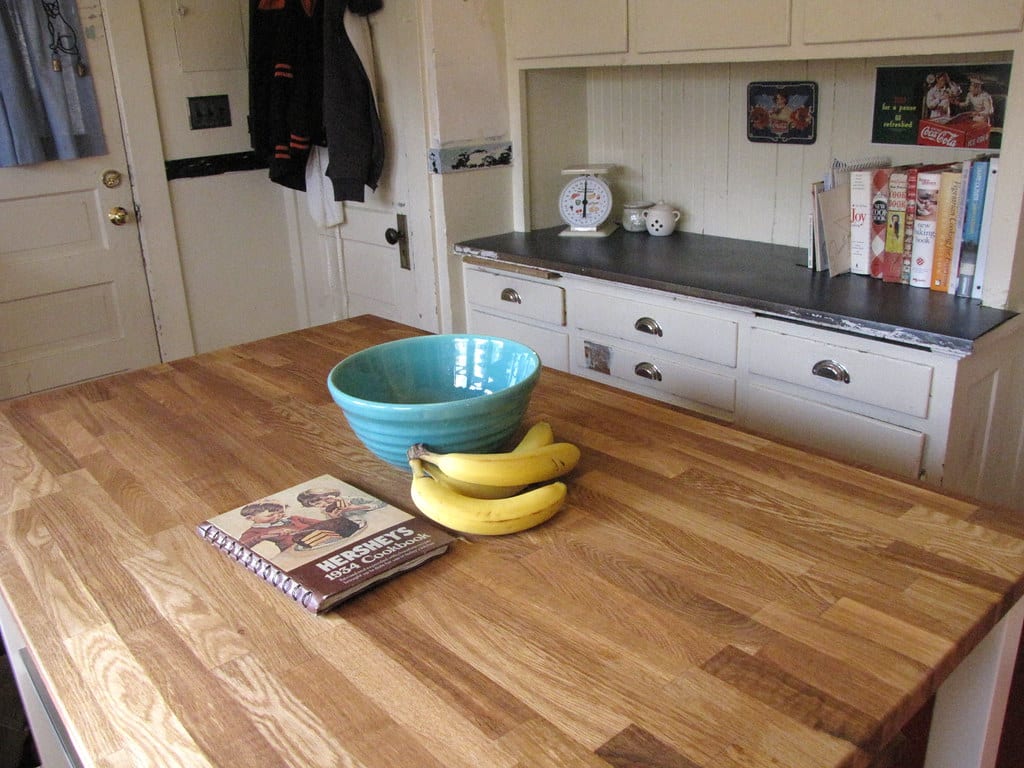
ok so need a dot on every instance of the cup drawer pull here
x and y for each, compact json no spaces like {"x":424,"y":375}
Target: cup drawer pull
{"x":647,"y":371}
{"x":830,"y":369}
{"x":512,"y":295}
{"x":648,"y":325}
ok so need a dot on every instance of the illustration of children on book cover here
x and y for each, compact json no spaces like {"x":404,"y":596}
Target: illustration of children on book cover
{"x":295,"y":526}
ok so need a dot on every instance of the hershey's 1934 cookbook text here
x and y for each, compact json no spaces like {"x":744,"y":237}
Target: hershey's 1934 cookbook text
{"x":324,"y":540}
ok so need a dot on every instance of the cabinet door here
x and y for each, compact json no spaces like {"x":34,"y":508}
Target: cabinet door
{"x":694,"y":25}
{"x":826,"y":21}
{"x":536,"y":28}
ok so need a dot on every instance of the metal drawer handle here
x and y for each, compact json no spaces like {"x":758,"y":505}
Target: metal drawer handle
{"x":510,"y":294}
{"x":830,"y":369}
{"x":648,"y":325}
{"x":647,"y":371}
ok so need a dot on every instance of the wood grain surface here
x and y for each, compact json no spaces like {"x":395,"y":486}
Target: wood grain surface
{"x":706,"y":598}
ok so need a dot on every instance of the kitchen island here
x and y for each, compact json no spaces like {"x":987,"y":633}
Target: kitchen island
{"x":707,"y":597}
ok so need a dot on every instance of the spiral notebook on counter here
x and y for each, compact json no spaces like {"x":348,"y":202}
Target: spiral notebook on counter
{"x":324,"y":540}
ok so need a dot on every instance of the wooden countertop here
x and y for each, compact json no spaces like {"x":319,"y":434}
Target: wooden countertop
{"x":760,"y":276}
{"x":707,"y":597}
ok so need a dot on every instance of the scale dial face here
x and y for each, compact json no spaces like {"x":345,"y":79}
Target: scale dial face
{"x":585,"y":202}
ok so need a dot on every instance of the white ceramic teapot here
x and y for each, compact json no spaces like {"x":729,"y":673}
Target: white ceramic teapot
{"x":661,"y":219}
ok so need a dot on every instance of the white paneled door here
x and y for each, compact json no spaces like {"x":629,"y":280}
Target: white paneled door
{"x":74,"y":301}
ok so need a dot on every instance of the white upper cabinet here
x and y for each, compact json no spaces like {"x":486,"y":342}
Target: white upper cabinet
{"x":694,"y":25}
{"x":826,"y":21}
{"x":557,"y":33}
{"x":541,"y":28}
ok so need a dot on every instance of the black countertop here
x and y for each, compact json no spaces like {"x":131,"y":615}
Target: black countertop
{"x":772,"y":279}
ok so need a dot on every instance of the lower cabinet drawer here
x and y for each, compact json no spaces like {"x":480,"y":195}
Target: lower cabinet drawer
{"x":552,"y":345}
{"x":854,"y":374}
{"x":662,"y":375}
{"x":670,"y":326}
{"x":512,"y":295}
{"x":843,"y":435}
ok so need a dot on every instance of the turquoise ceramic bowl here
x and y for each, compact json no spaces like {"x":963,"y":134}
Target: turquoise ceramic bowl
{"x":455,"y":393}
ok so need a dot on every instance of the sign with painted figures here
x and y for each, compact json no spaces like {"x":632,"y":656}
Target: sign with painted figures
{"x":956,"y":106}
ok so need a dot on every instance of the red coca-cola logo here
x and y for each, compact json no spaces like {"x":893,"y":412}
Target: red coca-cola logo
{"x":941,"y":136}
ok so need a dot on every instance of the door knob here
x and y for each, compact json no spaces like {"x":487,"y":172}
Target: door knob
{"x":118,"y":216}
{"x":396,"y":236}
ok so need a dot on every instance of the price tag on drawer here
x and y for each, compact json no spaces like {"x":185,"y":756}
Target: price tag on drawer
{"x":854,"y":374}
{"x":517,"y":296}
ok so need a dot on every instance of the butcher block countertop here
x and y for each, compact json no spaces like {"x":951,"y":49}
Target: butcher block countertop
{"x":706,"y":598}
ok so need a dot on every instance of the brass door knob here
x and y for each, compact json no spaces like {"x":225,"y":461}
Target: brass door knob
{"x":118,"y":216}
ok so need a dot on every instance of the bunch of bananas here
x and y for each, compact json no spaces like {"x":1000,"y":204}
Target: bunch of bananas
{"x":486,"y":493}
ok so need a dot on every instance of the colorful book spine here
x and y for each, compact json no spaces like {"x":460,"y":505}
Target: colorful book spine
{"x":895,"y":224}
{"x":908,"y":225}
{"x":986,"y":227}
{"x":945,"y":228}
{"x":860,"y":222}
{"x":971,"y":236}
{"x":879,"y":218}
{"x":923,"y":253}
{"x":954,"y":265}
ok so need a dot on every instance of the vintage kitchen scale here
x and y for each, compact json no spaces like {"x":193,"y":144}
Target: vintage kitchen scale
{"x":585,"y":203}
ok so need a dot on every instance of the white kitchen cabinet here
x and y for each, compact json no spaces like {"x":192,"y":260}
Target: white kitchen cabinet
{"x":542,"y":33}
{"x":858,"y":399}
{"x":826,"y":21}
{"x":905,"y":409}
{"x":528,"y":308}
{"x":538,"y":28}
{"x":694,"y":25}
{"x":669,"y":347}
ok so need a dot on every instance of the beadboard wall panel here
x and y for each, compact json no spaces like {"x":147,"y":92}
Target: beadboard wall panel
{"x":679,"y":134}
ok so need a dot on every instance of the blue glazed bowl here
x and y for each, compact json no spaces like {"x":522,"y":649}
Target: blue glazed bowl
{"x":455,"y":393}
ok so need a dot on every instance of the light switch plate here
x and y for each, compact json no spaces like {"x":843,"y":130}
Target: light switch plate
{"x":208,"y":112}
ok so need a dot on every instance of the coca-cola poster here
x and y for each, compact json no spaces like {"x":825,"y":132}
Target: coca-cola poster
{"x":957,"y":106}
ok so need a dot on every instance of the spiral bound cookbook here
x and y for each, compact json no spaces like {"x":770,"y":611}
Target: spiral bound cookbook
{"x":324,"y":540}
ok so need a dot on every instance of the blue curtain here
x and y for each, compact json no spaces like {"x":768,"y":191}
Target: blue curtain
{"x":48,"y":107}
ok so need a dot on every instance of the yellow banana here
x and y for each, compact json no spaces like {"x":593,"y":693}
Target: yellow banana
{"x":473,"y":490}
{"x":535,"y":465}
{"x":487,"y":517}
{"x":538,"y":435}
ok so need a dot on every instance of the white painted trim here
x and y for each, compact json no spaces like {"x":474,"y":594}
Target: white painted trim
{"x":129,"y":60}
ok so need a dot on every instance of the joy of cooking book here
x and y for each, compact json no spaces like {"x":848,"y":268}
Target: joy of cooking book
{"x":324,"y":540}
